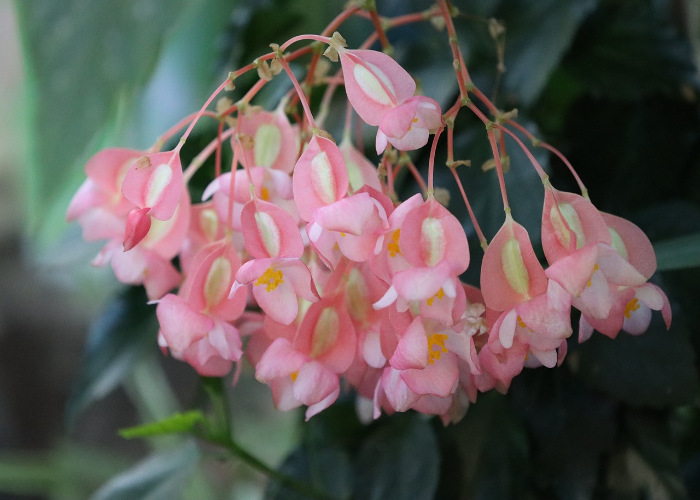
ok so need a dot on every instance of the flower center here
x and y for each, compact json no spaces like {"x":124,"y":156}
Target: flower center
{"x":436,"y":346}
{"x":440,"y":294}
{"x":393,"y":245}
{"x":271,"y":278}
{"x":632,"y":305}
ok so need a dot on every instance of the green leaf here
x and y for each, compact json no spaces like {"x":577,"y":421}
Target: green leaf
{"x":400,"y":461}
{"x":160,"y":477}
{"x":573,"y":427}
{"x":525,"y":191}
{"x":629,"y":49}
{"x":175,"y":424}
{"x":83,"y":58}
{"x":654,"y":369}
{"x":326,"y":469}
{"x":678,"y":253}
{"x":647,"y":464}
{"x":120,"y":337}
{"x":538,"y":33}
{"x":493,"y":459}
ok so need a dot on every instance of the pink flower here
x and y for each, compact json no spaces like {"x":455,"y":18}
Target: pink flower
{"x":433,"y":243}
{"x":154,"y":184}
{"x":275,"y":142}
{"x":407,"y":126}
{"x":195,"y":325}
{"x":375,"y":83}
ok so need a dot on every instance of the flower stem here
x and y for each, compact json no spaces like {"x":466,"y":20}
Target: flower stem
{"x":218,"y":431}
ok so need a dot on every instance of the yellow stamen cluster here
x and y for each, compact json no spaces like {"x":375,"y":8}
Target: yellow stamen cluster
{"x":632,"y":305}
{"x":436,"y":339}
{"x":440,"y":294}
{"x":271,"y":278}
{"x":393,"y":245}
{"x":595,"y":268}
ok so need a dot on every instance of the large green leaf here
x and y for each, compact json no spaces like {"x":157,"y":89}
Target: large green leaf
{"x":160,"y":477}
{"x":327,"y":470}
{"x":83,"y":58}
{"x":653,"y":369}
{"x":400,"y":460}
{"x":538,"y":33}
{"x":678,"y":253}
{"x":125,"y":332}
{"x":629,"y":49}
{"x":177,"y":423}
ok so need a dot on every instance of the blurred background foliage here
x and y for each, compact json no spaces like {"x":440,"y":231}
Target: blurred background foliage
{"x":612,"y":83}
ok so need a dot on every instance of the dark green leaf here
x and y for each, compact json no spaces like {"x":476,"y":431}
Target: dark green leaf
{"x":83,"y":57}
{"x":573,"y":428}
{"x":175,"y":424}
{"x":326,"y":469}
{"x":400,"y":461}
{"x":654,"y":369}
{"x":525,"y":191}
{"x":678,"y":253}
{"x":647,"y":465}
{"x":159,"y":477}
{"x":538,"y":33}
{"x":125,"y":332}
{"x":629,"y":49}
{"x":493,"y":450}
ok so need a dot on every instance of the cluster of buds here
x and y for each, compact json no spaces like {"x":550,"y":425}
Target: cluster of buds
{"x":302,"y":258}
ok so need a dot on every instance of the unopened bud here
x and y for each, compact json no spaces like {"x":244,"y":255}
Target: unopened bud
{"x":457,"y":163}
{"x":246,"y":141}
{"x":442,"y":196}
{"x":276,"y":66}
{"x":264,"y":71}
{"x":231,"y":77}
{"x":324,"y":134}
{"x":143,"y":162}
{"x":496,"y":28}
{"x":223,"y":104}
{"x":438,"y":22}
{"x":331,"y":53}
{"x":338,"y":40}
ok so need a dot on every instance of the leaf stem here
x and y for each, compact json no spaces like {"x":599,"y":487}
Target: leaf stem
{"x":218,"y":430}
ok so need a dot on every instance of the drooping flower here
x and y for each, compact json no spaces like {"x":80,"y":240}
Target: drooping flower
{"x":407,"y":126}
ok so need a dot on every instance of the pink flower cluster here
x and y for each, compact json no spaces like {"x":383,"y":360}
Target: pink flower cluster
{"x":303,"y":257}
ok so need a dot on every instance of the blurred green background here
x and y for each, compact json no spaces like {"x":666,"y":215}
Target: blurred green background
{"x":612,"y":83}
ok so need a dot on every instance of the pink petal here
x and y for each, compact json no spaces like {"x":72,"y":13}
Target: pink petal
{"x":327,"y":335}
{"x":374,"y":83}
{"x":585,"y":330}
{"x":155,"y":181}
{"x":360,"y":170}
{"x":633,"y":242}
{"x":279,"y":360}
{"x":421,"y":283}
{"x":137,"y":225}
{"x":320,"y":177}
{"x":439,"y":379}
{"x":510,"y":271}
{"x":180,"y":325}
{"x":397,"y":393}
{"x":349,"y":215}
{"x":412,"y":349}
{"x":430,"y":234}
{"x":314,"y":383}
{"x":574,"y":271}
{"x":569,"y":222}
{"x":269,"y":231}
{"x":396,"y":122}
